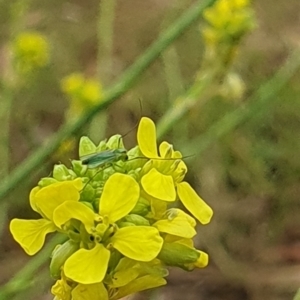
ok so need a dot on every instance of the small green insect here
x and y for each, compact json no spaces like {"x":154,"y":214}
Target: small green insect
{"x":103,"y":158}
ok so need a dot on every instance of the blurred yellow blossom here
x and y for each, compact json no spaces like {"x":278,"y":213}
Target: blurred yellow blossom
{"x":82,"y":92}
{"x":228,"y":21}
{"x":30,"y":52}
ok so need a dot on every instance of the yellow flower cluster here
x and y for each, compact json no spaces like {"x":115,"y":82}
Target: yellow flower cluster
{"x":113,"y":206}
{"x":30,"y":51}
{"x":228,"y":21}
{"x":82,"y":92}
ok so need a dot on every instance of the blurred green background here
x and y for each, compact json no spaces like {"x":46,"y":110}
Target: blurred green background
{"x":248,"y":170}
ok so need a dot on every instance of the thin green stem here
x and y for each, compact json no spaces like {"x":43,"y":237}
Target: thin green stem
{"x":258,"y":102}
{"x":185,"y":103}
{"x":105,"y":40}
{"x":6,"y":99}
{"x":125,"y":82}
{"x":105,"y":31}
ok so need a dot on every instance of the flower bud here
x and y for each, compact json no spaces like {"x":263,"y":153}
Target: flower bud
{"x":60,"y":255}
{"x":62,"y":173}
{"x":125,"y":224}
{"x":86,"y":146}
{"x":142,"y":208}
{"x":137,"y":220}
{"x":46,"y":181}
{"x":175,"y":254}
{"x":78,"y":167}
{"x":115,"y":142}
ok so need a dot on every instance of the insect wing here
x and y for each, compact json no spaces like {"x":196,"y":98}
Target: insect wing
{"x":98,"y":159}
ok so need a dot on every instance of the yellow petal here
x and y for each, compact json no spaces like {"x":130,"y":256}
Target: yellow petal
{"x":88,"y":266}
{"x":194,"y":203}
{"x":141,"y":243}
{"x":168,"y":238}
{"x":30,"y":234}
{"x":177,"y":226}
{"x":181,"y":213}
{"x":126,"y":271}
{"x":48,"y":198}
{"x":32,"y":198}
{"x":139,"y":284}
{"x":166,"y":148}
{"x":90,"y":292}
{"x":120,"y":195}
{"x":158,"y":185}
{"x":146,"y":137}
{"x":74,"y":210}
{"x":158,"y":208}
{"x":202,"y":260}
{"x":61,"y":290}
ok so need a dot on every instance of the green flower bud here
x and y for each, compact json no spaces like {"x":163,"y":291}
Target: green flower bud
{"x":60,"y":255}
{"x":141,"y":208}
{"x":137,"y":220}
{"x":62,"y":173}
{"x":175,"y":254}
{"x":115,"y":142}
{"x":86,"y":146}
{"x":125,"y":224}
{"x":78,"y":168}
{"x":46,"y":181}
{"x":102,"y":146}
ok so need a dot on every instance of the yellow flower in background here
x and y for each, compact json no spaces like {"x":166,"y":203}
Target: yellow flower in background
{"x":162,"y":176}
{"x":228,"y":20}
{"x":82,"y":92}
{"x":30,"y":52}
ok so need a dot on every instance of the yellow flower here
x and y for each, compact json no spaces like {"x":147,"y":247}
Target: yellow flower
{"x":228,"y":20}
{"x":83,"y":92}
{"x":89,"y":264}
{"x":162,"y":175}
{"x":31,"y":51}
{"x":30,"y":234}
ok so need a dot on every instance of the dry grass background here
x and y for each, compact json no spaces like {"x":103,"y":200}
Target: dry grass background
{"x":251,"y":177}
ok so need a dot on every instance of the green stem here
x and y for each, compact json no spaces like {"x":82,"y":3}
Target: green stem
{"x":125,"y":82}
{"x":105,"y":30}
{"x":185,"y":103}
{"x":264,"y":96}
{"x":105,"y":40}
